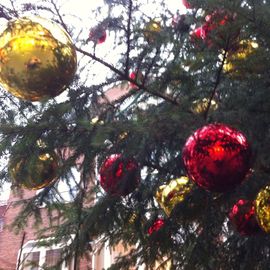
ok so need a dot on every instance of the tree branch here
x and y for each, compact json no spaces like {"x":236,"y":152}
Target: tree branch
{"x":123,"y":76}
{"x":128,"y":35}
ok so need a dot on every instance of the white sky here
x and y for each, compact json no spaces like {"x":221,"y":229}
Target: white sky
{"x":82,"y":9}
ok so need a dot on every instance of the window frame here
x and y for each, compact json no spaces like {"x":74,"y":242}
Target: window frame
{"x":32,"y":246}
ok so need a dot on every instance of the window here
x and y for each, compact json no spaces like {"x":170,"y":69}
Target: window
{"x":31,"y":261}
{"x":34,"y":257}
{"x":52,"y":257}
{"x":1,"y":224}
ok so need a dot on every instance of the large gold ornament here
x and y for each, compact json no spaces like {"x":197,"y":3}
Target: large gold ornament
{"x":37,"y":58}
{"x":262,"y":208}
{"x":151,"y":30}
{"x":173,"y":193}
{"x":246,"y":48}
{"x":200,"y":105}
{"x":34,"y":172}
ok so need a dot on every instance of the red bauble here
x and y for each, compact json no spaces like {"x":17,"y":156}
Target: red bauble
{"x":119,"y":176}
{"x":98,"y":35}
{"x":213,"y":22}
{"x":200,"y":32}
{"x":156,"y":226}
{"x":136,"y":76}
{"x":242,"y":215}
{"x":186,"y":4}
{"x":217,"y":157}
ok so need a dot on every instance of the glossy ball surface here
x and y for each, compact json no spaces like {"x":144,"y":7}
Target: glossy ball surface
{"x":213,"y":31}
{"x":159,"y":223}
{"x":199,"y":106}
{"x":151,"y":30}
{"x":245,"y":49}
{"x":37,"y":58}
{"x":98,"y":35}
{"x":136,"y":76}
{"x":242,"y":216}
{"x":34,"y":171}
{"x":169,"y":195}
{"x":262,"y":207}
{"x":217,"y":157}
{"x":119,"y":176}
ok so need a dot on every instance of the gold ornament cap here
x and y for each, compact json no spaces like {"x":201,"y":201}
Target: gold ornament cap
{"x":37,"y":58}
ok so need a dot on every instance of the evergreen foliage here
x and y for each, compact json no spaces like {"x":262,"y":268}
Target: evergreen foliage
{"x":156,"y":117}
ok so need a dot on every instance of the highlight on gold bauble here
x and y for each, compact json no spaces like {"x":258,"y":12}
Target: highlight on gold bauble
{"x":199,"y":106}
{"x":34,"y":171}
{"x":262,"y":208}
{"x":246,"y":48}
{"x":37,"y":58}
{"x":169,"y":195}
{"x":151,"y":30}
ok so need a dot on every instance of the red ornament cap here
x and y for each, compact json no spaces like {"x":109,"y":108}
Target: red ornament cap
{"x":119,"y":176}
{"x":242,"y":215}
{"x":156,"y":226}
{"x":217,"y":157}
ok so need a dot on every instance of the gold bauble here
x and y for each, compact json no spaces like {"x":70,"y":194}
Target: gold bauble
{"x":132,"y":218}
{"x":173,"y":193}
{"x":262,"y":208}
{"x":151,"y":30}
{"x":37,"y":58}
{"x":35,"y":171}
{"x":246,"y":48}
{"x":200,"y":105}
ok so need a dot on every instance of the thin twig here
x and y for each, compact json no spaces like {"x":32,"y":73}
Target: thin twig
{"x":14,"y":8}
{"x":218,"y":77}
{"x":128,"y":35}
{"x":59,"y":15}
{"x":21,"y":249}
{"x":126,"y":78}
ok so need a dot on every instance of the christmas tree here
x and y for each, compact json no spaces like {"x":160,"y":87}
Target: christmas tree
{"x":175,"y":167}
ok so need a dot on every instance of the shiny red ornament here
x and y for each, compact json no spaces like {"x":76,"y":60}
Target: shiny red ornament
{"x":118,"y":175}
{"x":213,"y":21}
{"x":200,"y":32}
{"x":136,"y":76}
{"x":156,"y":226}
{"x":242,"y":215}
{"x":186,"y":4}
{"x":98,"y":35}
{"x":217,"y":157}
